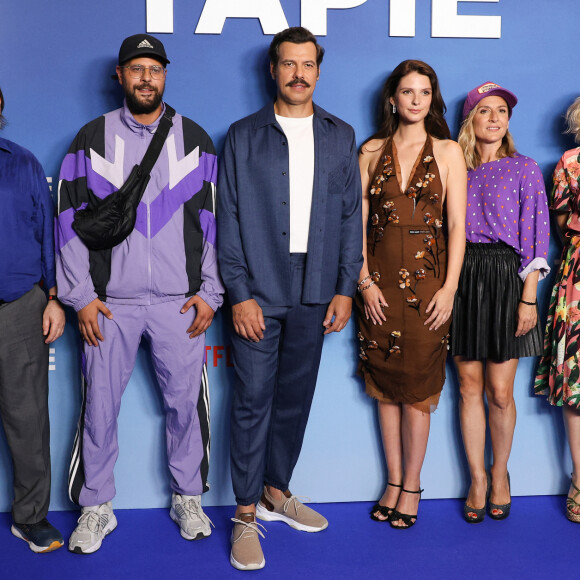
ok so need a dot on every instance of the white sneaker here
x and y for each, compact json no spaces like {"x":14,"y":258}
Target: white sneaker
{"x":186,"y":511}
{"x":95,"y":523}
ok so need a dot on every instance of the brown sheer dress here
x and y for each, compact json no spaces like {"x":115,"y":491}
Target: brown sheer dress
{"x":402,"y":361}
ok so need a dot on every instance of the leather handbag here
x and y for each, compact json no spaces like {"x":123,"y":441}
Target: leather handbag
{"x":105,"y":223}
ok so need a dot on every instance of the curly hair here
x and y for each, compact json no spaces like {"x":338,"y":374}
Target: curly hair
{"x":573,"y":120}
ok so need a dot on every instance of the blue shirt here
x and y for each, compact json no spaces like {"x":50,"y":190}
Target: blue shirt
{"x":26,"y":223}
{"x":254,"y":212}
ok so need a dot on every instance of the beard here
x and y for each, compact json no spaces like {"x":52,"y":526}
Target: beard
{"x":139,"y":106}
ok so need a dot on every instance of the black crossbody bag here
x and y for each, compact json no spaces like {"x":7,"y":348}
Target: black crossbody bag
{"x":106,"y":223}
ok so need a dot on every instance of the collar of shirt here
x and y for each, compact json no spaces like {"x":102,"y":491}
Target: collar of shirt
{"x":267,"y":116}
{"x":6,"y":145}
{"x":134,"y":125}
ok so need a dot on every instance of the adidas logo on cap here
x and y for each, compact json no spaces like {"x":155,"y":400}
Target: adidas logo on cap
{"x":145,"y":44}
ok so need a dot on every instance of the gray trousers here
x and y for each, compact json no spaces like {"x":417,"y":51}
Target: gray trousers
{"x":24,"y":403}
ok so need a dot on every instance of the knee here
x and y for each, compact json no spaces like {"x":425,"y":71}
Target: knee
{"x":500,"y":396}
{"x":470,"y":389}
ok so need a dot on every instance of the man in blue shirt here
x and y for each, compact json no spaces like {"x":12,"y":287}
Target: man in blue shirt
{"x":290,"y":252}
{"x":28,"y":325}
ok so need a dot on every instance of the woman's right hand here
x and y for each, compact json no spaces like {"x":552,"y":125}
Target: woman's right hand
{"x":374,"y":302}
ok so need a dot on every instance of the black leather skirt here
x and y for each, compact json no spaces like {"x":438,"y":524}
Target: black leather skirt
{"x":486,"y":306}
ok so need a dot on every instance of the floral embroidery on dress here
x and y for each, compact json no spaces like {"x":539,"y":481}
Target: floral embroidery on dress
{"x":393,"y":348}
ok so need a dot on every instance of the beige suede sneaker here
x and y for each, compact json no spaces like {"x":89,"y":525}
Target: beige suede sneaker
{"x":246,"y":551}
{"x":291,"y":511}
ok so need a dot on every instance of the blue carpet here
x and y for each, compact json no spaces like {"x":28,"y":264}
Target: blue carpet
{"x":536,"y":541}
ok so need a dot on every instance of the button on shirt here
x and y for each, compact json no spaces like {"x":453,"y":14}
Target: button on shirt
{"x":26,"y":223}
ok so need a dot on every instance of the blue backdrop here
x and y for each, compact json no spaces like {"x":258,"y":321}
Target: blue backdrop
{"x":55,"y":75}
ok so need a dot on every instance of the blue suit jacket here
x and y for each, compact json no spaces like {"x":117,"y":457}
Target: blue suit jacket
{"x":254,"y":212}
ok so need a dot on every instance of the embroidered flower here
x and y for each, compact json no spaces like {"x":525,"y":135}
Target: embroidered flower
{"x":375,"y":219}
{"x":396,"y":334}
{"x":420,"y":274}
{"x":411,"y":193}
{"x":428,"y":218}
{"x":419,"y":255}
{"x":438,"y":223}
{"x":394,"y":218}
{"x":428,"y":159}
{"x":362,"y":354}
{"x":372,"y":345}
{"x":395,"y":350}
{"x":388,"y":205}
{"x":360,"y":336}
{"x":404,"y":273}
{"x":375,"y":277}
{"x":412,"y":299}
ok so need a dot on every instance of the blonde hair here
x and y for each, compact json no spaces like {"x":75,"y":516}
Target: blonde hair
{"x":573,"y":120}
{"x":467,"y":142}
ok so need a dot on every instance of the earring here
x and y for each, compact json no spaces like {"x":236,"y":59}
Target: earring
{"x":394,"y":109}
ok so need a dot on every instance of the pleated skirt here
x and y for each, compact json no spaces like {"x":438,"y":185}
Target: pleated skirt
{"x":486,"y":307}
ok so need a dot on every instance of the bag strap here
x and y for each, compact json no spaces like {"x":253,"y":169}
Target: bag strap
{"x":158,"y":141}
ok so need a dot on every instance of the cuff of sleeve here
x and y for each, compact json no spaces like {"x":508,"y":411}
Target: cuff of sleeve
{"x":214,"y":301}
{"x":346,"y":287}
{"x":239,"y":294}
{"x":81,"y":303}
{"x":540,"y":264}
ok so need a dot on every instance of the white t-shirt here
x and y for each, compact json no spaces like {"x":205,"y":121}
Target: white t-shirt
{"x":300,"y":135}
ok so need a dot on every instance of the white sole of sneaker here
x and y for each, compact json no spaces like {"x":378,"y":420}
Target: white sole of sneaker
{"x":239,"y":566}
{"x":36,"y":549}
{"x":111,"y":525}
{"x":199,"y":536}
{"x":268,"y":516}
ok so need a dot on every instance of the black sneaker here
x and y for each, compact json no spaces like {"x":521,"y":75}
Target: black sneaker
{"x":41,"y":537}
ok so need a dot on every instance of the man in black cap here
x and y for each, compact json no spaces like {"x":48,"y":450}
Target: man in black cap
{"x":161,"y":283}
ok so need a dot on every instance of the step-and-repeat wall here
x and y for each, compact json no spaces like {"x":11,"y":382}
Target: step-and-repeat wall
{"x":55,"y":72}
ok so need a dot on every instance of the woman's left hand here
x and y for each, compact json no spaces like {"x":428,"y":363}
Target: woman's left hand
{"x":527,"y":318}
{"x":440,"y":307}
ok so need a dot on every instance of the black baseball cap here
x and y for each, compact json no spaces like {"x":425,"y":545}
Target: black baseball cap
{"x":142,"y":45}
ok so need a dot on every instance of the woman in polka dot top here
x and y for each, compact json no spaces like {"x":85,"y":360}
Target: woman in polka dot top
{"x":495,"y":320}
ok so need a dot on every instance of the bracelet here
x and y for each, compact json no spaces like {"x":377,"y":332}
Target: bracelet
{"x":361,"y":290}
{"x":53,"y":297}
{"x":363,"y":281}
{"x":529,"y":303}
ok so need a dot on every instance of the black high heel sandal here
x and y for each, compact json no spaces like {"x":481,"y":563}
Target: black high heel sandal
{"x":384,"y":510}
{"x":479,"y":513}
{"x":407,"y":519}
{"x":504,"y":508}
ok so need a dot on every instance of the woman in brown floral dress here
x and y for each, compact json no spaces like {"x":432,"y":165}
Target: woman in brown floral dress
{"x":411,"y":171}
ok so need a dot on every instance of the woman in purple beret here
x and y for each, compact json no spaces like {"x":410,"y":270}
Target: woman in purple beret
{"x":495,"y":315}
{"x":558,"y":374}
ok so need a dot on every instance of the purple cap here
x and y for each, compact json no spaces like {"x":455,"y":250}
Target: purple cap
{"x":488,"y":89}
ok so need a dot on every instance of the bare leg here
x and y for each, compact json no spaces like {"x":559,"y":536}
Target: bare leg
{"x":472,"y":418}
{"x":390,"y":420}
{"x":572,"y":422}
{"x":415,"y":433}
{"x":246,"y":509}
{"x":499,"y":387}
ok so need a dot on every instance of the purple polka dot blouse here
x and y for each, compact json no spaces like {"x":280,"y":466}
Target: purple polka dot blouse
{"x":506,"y":202}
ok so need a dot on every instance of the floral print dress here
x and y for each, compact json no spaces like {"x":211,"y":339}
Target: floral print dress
{"x":558,"y":375}
{"x":401,"y":360}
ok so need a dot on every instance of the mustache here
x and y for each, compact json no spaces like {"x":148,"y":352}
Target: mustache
{"x":148,"y":86}
{"x":298,"y":82}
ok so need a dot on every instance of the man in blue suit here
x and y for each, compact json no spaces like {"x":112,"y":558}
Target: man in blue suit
{"x":290,"y":252}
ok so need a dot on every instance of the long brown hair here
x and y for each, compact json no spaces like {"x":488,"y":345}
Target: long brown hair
{"x":435,"y":123}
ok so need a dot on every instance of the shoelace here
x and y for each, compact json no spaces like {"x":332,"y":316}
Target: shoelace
{"x":193,"y":509}
{"x":91,"y":520}
{"x":250,"y":528}
{"x":294,"y":499}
